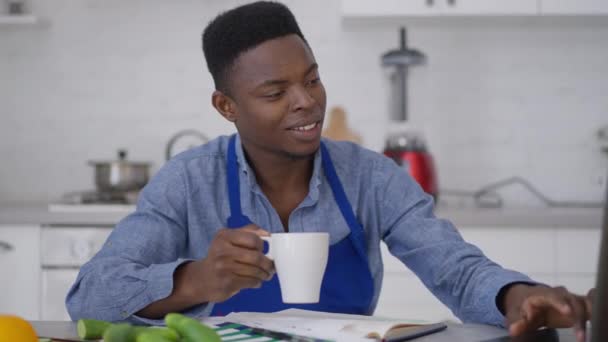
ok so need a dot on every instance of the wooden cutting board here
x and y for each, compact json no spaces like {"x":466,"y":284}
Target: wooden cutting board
{"x":337,"y":127}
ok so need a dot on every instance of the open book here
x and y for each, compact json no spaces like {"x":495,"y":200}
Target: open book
{"x":330,"y":326}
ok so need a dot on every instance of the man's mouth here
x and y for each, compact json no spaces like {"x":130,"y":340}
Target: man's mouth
{"x":306,"y":127}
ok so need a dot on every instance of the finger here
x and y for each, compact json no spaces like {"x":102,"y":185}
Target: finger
{"x":252,"y":257}
{"x":245,"y":270}
{"x":238,"y":283}
{"x":518,"y":327}
{"x":256,"y":260}
{"x":255,"y":229}
{"x":245,"y":238}
{"x":580,"y":316}
{"x":531,"y":316}
{"x":559,"y":300}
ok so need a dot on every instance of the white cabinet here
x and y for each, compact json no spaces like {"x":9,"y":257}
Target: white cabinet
{"x":20,"y":270}
{"x":64,"y":251}
{"x":574,"y":7}
{"x":421,"y":8}
{"x":404,"y":296}
{"x":55,"y":286}
{"x":382,"y":8}
{"x":489,"y":7}
{"x":578,"y":251}
{"x":434,"y":8}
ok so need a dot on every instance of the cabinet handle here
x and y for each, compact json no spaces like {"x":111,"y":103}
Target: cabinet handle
{"x":5,"y":247}
{"x":430,"y":2}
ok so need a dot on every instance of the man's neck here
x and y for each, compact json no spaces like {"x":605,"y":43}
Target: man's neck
{"x":277,"y":173}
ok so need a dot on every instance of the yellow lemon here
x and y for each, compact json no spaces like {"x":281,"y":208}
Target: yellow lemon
{"x":16,"y":329}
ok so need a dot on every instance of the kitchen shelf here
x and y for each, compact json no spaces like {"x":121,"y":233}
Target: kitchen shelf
{"x":25,"y":19}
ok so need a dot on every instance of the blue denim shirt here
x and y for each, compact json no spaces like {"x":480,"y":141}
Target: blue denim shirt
{"x":186,"y":203}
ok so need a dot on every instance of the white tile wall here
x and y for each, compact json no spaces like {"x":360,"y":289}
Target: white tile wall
{"x":497,"y":98}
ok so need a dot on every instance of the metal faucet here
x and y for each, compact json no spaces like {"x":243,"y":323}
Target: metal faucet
{"x":180,"y":134}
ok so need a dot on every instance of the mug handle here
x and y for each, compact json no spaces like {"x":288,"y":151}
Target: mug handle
{"x":269,"y":253}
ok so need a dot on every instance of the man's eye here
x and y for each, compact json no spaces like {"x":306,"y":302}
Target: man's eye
{"x":274,"y":95}
{"x":314,"y":81}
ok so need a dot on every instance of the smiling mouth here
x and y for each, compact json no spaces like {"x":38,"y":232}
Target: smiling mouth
{"x":306,"y":127}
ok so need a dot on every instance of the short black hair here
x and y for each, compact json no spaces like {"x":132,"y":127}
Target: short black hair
{"x":242,"y":28}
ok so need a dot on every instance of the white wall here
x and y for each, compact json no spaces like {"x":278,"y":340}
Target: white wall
{"x":499,"y":97}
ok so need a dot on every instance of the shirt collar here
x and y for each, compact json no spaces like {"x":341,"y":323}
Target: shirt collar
{"x":244,"y":167}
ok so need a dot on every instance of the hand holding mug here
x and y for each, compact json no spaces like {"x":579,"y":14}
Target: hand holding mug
{"x":235,"y":261}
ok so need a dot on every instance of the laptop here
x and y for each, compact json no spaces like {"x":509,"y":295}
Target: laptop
{"x":599,"y":322}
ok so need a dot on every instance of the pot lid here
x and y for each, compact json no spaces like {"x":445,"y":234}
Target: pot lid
{"x":122,"y":160}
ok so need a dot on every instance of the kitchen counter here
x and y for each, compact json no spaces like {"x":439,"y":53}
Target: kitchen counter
{"x":461,"y":217}
{"x":523,"y":217}
{"x":40,"y":214}
{"x":454,"y":333}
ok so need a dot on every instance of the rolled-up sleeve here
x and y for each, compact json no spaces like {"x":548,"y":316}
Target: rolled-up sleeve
{"x":135,"y":266}
{"x":456,"y":272}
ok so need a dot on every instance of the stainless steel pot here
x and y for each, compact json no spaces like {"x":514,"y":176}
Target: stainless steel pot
{"x":120,"y":175}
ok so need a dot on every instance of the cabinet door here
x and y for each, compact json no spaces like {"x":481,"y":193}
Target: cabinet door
{"x":525,"y":249}
{"x":404,"y":296}
{"x":55,"y":286}
{"x":390,"y":8}
{"x":566,"y":7}
{"x":490,"y":7}
{"x":578,"y":250}
{"x":20,"y":271}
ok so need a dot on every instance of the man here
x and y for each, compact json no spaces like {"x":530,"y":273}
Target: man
{"x":194,"y":246}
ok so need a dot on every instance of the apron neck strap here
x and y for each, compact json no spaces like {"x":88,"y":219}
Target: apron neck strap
{"x":236,"y":219}
{"x":345,"y":208}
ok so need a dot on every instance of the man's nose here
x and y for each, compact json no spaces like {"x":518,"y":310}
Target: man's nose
{"x":301,"y":98}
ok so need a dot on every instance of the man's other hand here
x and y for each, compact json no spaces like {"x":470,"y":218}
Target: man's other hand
{"x":529,"y":308}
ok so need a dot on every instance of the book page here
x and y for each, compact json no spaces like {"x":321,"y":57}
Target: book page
{"x":338,"y":327}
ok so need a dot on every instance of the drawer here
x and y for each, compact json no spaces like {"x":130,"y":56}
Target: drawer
{"x":71,"y":246}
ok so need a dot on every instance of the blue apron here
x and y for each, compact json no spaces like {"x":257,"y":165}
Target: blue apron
{"x":347,"y":287}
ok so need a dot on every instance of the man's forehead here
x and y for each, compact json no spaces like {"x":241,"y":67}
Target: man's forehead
{"x":273,"y":59}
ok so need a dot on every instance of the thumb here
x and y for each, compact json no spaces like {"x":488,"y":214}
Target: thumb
{"x":252,"y":228}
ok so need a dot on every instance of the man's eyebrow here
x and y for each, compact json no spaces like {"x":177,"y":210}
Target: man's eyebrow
{"x":267,"y":83}
{"x":312,"y":67}
{"x":271,"y":83}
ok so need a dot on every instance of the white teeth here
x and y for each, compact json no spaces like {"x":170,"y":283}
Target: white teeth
{"x":306,"y":128}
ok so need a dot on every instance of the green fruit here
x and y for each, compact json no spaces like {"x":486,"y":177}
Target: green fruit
{"x":190,"y":329}
{"x":91,"y":329}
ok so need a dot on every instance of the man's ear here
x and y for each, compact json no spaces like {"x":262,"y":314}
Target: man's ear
{"x":224,"y":105}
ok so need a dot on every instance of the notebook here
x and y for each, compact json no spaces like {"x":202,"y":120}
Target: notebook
{"x":304,"y":325}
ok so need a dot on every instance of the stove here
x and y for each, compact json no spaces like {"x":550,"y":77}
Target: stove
{"x":95,"y":201}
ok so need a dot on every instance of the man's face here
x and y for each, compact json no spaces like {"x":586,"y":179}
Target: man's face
{"x":279,"y":100}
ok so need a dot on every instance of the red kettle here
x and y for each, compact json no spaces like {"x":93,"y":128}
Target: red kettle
{"x":408,"y":150}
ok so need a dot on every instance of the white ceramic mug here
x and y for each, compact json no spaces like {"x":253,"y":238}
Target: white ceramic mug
{"x":300,"y":260}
